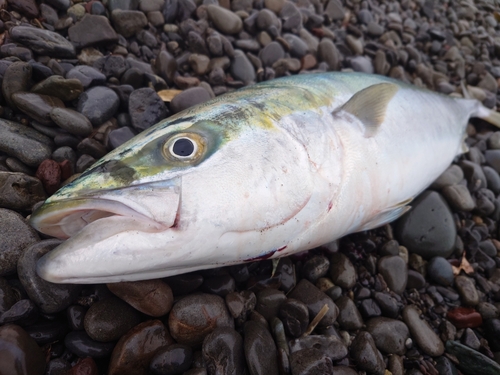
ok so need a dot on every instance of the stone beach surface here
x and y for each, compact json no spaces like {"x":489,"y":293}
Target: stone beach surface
{"x":419,"y":296}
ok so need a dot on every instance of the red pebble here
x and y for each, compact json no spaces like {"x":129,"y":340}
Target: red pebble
{"x":49,"y":173}
{"x":464,"y":317}
{"x":85,"y":366}
{"x":66,"y":170}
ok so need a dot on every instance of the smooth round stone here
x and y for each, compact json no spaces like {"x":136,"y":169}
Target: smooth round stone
{"x":395,"y":272}
{"x":328,"y":344}
{"x":47,"y":332}
{"x":91,"y":147}
{"x":224,"y":20}
{"x":76,"y":315}
{"x":49,"y":297}
{"x":112,"y":66}
{"x":415,"y":280}
{"x":458,"y":196}
{"x":223,"y":352}
{"x":422,"y":333}
{"x":362,"y":64}
{"x":166,"y":66}
{"x":315,"y":299}
{"x":369,"y":308}
{"x":59,"y":366}
{"x":349,"y":316}
{"x":43,"y":42}
{"x":309,"y":362}
{"x":298,"y":48}
{"x":189,"y":98}
{"x":86,"y":366}
{"x":151,"y":297}
{"x":295,"y":317}
{"x":271,"y":53}
{"x":79,"y":343}
{"x":315,"y":268}
{"x":59,"y":87}
{"x":428,"y":229}
{"x":135,"y":350}
{"x":467,"y":290}
{"x":87,"y":76}
{"x":98,"y":104}
{"x":174,"y":359}
{"x":488,"y":310}
{"x":17,"y":234}
{"x":128,"y":22}
{"x":328,"y":52}
{"x":473,"y":173}
{"x":471,"y":361}
{"x":25,"y":7}
{"x":365,"y":353}
{"x":19,"y":353}
{"x":389,"y":335}
{"x":199,"y":63}
{"x":269,"y":302}
{"x":195,"y":316}
{"x":145,"y":108}
{"x":291,"y":17}
{"x":19,"y":191}
{"x":219,"y":285}
{"x":388,"y":304}
{"x":260,"y":349}
{"x":37,"y":106}
{"x":22,"y":312}
{"x":241,"y":68}
{"x":342,"y":272}
{"x":17,"y":78}
{"x":440,"y":271}
{"x":71,"y":121}
{"x":109,"y":319}
{"x":184,"y":284}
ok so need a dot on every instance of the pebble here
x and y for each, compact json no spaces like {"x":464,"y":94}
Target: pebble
{"x":49,"y":173}
{"x":342,"y":271}
{"x":271,"y":53}
{"x":260,"y":349}
{"x":20,"y":355}
{"x":43,"y":42}
{"x":349,"y":316}
{"x":174,"y":359}
{"x":38,"y":107}
{"x":440,"y":271}
{"x":364,"y":351}
{"x":269,"y":302}
{"x":59,"y":87}
{"x":136,"y":349}
{"x":433,"y":236}
{"x":394,"y":271}
{"x":71,"y":121}
{"x":128,"y":22}
{"x":151,"y":297}
{"x":98,"y":104}
{"x":315,"y":268}
{"x":17,"y":235}
{"x":459,"y":197}
{"x":390,"y":335}
{"x":295,"y":317}
{"x":189,"y":98}
{"x":189,"y":324}
{"x":471,"y":361}
{"x":146,"y":108}
{"x":19,"y":191}
{"x":310,"y":361}
{"x":92,"y":30}
{"x":87,"y":75}
{"x":422,"y":333}
{"x":328,"y":344}
{"x":223,"y":352}
{"x":85,"y":366}
{"x":79,"y":343}
{"x":241,"y":68}
{"x":467,"y":290}
{"x":26,"y":7}
{"x":224,"y":20}
{"x":16,"y":78}
{"x":50,"y":298}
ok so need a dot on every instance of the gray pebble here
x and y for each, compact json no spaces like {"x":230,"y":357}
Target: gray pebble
{"x":269,"y":302}
{"x":458,"y":196}
{"x":87,"y":75}
{"x":241,"y":68}
{"x":342,"y":272}
{"x":395,"y":272}
{"x":38,"y":107}
{"x":309,"y":362}
{"x":315,"y":268}
{"x":451,"y":176}
{"x":364,"y":351}
{"x":390,"y":335}
{"x":17,"y":78}
{"x":492,"y":179}
{"x":92,"y":30}
{"x":260,"y":349}
{"x":71,"y":121}
{"x":471,"y":361}
{"x":439,"y":270}
{"x":59,"y":87}
{"x":467,"y":290}
{"x":189,"y":98}
{"x":362,"y":64}
{"x":422,"y":333}
{"x":271,"y":53}
{"x":128,"y":22}
{"x":328,"y":344}
{"x":224,"y":20}
{"x":19,"y":191}
{"x":43,"y":42}
{"x":145,"y":108}
{"x":328,"y":52}
{"x":223,"y":352}
{"x":493,"y":159}
{"x":98,"y":104}
{"x":349,"y":316}
{"x":117,"y":137}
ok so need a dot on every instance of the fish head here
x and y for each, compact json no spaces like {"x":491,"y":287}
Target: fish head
{"x":186,"y":194}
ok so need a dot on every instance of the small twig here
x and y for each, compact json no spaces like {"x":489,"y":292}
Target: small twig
{"x":316,"y":320}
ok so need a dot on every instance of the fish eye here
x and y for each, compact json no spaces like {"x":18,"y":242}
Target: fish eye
{"x":183,"y":148}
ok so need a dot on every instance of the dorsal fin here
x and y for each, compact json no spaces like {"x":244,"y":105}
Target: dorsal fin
{"x":369,"y":105}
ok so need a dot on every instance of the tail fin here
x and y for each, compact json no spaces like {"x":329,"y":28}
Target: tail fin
{"x":486,"y":114}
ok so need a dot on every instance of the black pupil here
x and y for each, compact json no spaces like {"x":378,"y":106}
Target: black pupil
{"x":183,"y":147}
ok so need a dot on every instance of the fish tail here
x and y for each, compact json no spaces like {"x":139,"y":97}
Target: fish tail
{"x":486,"y":114}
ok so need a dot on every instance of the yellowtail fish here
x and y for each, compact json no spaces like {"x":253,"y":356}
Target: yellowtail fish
{"x":263,"y":172}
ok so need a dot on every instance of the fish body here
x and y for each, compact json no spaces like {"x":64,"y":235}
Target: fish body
{"x":263,"y":172}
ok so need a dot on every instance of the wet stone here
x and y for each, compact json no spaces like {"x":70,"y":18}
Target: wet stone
{"x":189,"y":324}
{"x":79,"y":343}
{"x":19,"y":191}
{"x":174,"y":359}
{"x":25,"y":7}
{"x":395,"y":272}
{"x":43,"y":42}
{"x":369,"y":308}
{"x":241,"y":67}
{"x":22,"y":312}
{"x":128,"y":22}
{"x":271,"y":53}
{"x":328,"y":52}
{"x":328,"y":344}
{"x":364,"y":351}
{"x":49,"y":297}
{"x":98,"y":104}
{"x":219,"y":285}
{"x":84,"y":162}
{"x":134,"y":352}
{"x":109,"y":319}
{"x":151,"y":297}
{"x":20,"y":355}
{"x":92,"y":147}
{"x":269,"y":302}
{"x":474,"y":174}
{"x":71,"y":121}
{"x":439,"y":270}
{"x":459,"y":197}
{"x":389,"y":335}
{"x":92,"y":30}
{"x":223,"y":352}
{"x":224,"y":20}
{"x":471,"y":361}
{"x":16,"y":78}
{"x":428,"y":229}
{"x":342,"y":272}
{"x":85,"y":366}
{"x":49,"y":173}
{"x":37,"y":106}
{"x":260,"y":349}
{"x":315,"y":268}
{"x":310,"y":361}
{"x":17,"y":235}
{"x":76,"y":315}
{"x":184,"y":284}
{"x":467,"y":290}
{"x":145,"y":108}
{"x":47,"y":332}
{"x":422,"y":333}
{"x":295,"y":317}
{"x":189,"y":98}
{"x":315,"y":299}
{"x":87,"y":76}
{"x":112,"y":66}
{"x":349,"y":316}
{"x":57,"y":86}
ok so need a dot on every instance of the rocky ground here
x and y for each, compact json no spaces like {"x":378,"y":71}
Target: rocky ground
{"x":421,"y":296}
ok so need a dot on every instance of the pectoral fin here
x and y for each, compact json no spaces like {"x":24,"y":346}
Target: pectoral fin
{"x":387,"y":216}
{"x":369,"y":105}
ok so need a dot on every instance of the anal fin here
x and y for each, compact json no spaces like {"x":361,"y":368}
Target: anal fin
{"x":388,"y":215}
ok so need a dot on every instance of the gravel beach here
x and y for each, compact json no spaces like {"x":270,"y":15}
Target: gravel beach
{"x":420,"y":296}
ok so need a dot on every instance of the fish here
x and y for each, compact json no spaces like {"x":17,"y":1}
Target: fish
{"x":262,"y":172}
